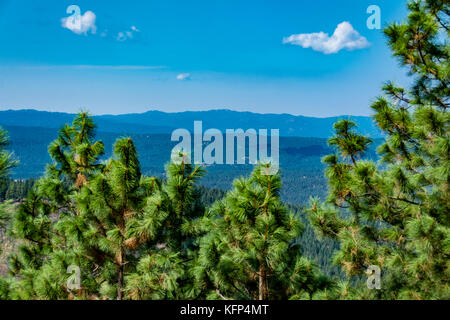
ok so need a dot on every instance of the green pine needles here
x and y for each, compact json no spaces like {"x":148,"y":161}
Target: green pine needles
{"x":7,"y":161}
{"x":395,"y":214}
{"x":249,"y":252}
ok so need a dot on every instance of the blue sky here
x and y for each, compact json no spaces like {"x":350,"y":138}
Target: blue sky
{"x":171,"y":55}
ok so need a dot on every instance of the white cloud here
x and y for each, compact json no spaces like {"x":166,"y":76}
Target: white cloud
{"x":344,"y":37}
{"x":121,"y":36}
{"x":129,"y":34}
{"x":84,"y":24}
{"x":184,"y":76}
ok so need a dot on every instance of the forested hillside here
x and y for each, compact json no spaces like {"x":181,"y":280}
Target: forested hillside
{"x":15,"y":189}
{"x":318,"y":251}
{"x":300,"y":160}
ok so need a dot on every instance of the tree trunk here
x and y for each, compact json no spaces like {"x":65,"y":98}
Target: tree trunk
{"x":263,"y":285}
{"x":120,"y":280}
{"x":119,"y":257}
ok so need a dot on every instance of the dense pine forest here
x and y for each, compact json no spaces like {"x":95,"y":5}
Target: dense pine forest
{"x":302,"y":173}
{"x":133,"y":235}
{"x":15,"y":189}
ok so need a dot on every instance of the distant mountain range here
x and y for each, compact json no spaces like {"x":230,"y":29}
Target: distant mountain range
{"x":164,"y":123}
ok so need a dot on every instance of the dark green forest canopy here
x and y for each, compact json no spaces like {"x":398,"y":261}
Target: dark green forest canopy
{"x":15,"y":189}
{"x":300,"y":159}
{"x":319,"y":251}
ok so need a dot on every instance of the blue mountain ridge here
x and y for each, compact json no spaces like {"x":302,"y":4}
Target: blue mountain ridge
{"x":163,"y":122}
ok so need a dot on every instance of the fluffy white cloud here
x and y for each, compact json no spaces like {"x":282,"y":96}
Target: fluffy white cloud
{"x":183,"y":76}
{"x":344,"y":37}
{"x":84,"y":24}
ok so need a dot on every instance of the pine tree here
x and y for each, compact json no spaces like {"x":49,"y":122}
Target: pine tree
{"x":48,"y":224}
{"x":6,"y":164}
{"x":7,"y":161}
{"x":249,"y":251}
{"x":110,"y":201}
{"x":395,"y":214}
{"x":169,"y":226}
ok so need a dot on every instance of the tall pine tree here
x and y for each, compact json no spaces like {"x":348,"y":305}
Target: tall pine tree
{"x":7,"y":162}
{"x":110,"y":201}
{"x":169,"y":226}
{"x":249,"y":251}
{"x":48,"y":224}
{"x":395,"y":215}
